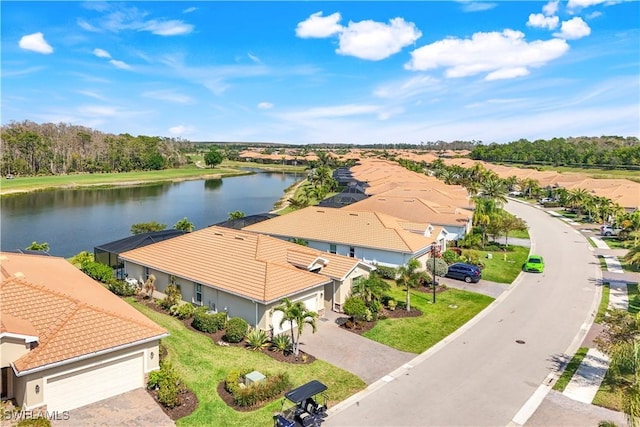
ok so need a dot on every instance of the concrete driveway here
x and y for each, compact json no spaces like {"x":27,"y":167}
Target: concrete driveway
{"x":361,"y":356}
{"x":132,"y":409}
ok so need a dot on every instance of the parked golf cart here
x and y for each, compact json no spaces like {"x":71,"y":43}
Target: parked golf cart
{"x":304,"y":406}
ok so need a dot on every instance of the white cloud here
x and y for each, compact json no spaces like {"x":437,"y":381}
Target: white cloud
{"x":167,"y":28}
{"x":120,"y":64}
{"x":538,"y":20}
{"x":265,"y":105}
{"x":573,"y":29}
{"x":86,"y":26}
{"x":98,"y":111}
{"x":101,"y":53}
{"x":507,"y":73}
{"x":169,"y":96}
{"x":190,"y":10}
{"x":318,"y":26}
{"x":579,"y":4}
{"x":254,"y":58}
{"x":91,"y":94}
{"x":335,"y":111}
{"x":477,"y":6}
{"x":407,"y":88}
{"x":501,"y":54}
{"x":375,"y":40}
{"x":36,"y":43}
{"x":550,"y":8}
{"x":181,"y":130}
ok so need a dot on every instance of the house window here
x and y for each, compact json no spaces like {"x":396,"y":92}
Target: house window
{"x":352,"y":252}
{"x":332,"y":248}
{"x":146,"y":273}
{"x":198,"y":293}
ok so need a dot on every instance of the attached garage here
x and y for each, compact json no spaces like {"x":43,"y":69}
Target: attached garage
{"x":78,"y":388}
{"x":310,"y":302}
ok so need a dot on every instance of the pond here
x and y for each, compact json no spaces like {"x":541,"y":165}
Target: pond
{"x":76,"y":220}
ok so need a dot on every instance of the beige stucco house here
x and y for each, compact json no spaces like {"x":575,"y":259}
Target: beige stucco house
{"x":65,"y":340}
{"x":246,"y":274}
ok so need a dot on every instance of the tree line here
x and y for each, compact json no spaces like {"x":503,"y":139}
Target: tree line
{"x":605,"y":151}
{"x":29,"y":148}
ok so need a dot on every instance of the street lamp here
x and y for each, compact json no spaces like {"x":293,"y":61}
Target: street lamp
{"x":435,"y":248}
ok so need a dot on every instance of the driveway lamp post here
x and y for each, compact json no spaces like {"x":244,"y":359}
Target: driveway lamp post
{"x":434,"y":253}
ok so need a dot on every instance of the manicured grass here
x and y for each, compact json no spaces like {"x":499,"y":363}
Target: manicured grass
{"x":417,"y":334}
{"x":634,"y":297}
{"x":519,"y":234}
{"x":604,"y":303}
{"x":628,"y":267}
{"x":603,"y":263}
{"x":615,"y":243}
{"x":203,"y":365}
{"x":264,"y":166}
{"x":570,"y":369}
{"x":32,"y":183}
{"x":608,"y":395}
{"x":497,"y":269}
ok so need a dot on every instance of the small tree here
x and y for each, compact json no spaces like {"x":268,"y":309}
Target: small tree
{"x":296,"y":313}
{"x":185,"y":225}
{"x":213,"y":157}
{"x":410,"y":276}
{"x":355,"y":308}
{"x":146,"y":227}
{"x":149,"y":286}
{"x":441,"y":267}
{"x":236,"y":215}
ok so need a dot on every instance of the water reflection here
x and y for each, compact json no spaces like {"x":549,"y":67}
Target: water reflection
{"x":75,"y":220}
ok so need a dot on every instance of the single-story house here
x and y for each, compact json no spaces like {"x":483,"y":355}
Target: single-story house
{"x":373,"y":237}
{"x":246,"y":274}
{"x":65,"y":340}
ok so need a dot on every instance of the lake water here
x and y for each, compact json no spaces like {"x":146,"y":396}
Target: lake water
{"x":71,"y":221}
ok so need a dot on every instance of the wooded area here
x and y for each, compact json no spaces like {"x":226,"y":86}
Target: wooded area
{"x":604,"y":152}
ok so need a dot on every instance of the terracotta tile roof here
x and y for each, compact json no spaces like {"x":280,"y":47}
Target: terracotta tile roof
{"x":218,"y":256}
{"x":72,"y":314}
{"x":13,"y":325}
{"x":347,"y":227}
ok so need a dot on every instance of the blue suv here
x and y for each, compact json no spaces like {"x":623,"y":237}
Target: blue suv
{"x":467,"y":272}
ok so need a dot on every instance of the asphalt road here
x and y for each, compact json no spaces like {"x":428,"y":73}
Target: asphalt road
{"x":481,"y":375}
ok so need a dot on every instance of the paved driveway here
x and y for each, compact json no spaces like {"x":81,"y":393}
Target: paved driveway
{"x":361,"y":356}
{"x":132,"y":409}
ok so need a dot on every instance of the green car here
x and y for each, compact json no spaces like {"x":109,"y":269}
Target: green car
{"x":534,"y":263}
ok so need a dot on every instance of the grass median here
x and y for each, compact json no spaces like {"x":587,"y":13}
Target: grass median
{"x":203,"y":365}
{"x":570,"y":369}
{"x":503,"y":266}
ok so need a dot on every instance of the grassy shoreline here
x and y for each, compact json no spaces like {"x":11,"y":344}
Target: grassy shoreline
{"x":21,"y":185}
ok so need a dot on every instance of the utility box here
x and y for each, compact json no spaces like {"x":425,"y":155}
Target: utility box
{"x":253,"y":377}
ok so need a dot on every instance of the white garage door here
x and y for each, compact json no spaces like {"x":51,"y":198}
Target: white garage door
{"x":69,"y":391}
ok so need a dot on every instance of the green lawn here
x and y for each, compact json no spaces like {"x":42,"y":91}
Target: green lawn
{"x":628,"y":267}
{"x":615,"y":243}
{"x":634,"y":297}
{"x":106,"y":179}
{"x":417,"y":334}
{"x":604,"y":303}
{"x":519,"y":234}
{"x":608,"y":395}
{"x":497,"y":269}
{"x":203,"y":365}
{"x":571,"y":369}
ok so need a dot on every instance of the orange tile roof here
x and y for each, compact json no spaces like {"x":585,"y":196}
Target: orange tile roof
{"x":13,"y":325}
{"x":72,"y":314}
{"x":348,"y":227}
{"x":248,"y":264}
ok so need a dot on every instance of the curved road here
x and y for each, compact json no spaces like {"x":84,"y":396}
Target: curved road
{"x":481,"y":375}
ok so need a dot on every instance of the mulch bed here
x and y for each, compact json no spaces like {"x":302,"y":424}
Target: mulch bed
{"x":188,"y":405}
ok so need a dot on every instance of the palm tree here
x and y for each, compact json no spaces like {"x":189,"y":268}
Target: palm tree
{"x":493,"y":188}
{"x":410,"y":276}
{"x":577,"y":199}
{"x":371,"y":288}
{"x":297,"y":314}
{"x":633,"y":256}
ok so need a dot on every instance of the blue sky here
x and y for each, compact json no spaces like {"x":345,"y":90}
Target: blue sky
{"x":326,"y":72}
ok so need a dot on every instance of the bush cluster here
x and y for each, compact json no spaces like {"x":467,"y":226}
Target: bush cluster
{"x":172,"y":297}
{"x":209,"y":323}
{"x":386,"y":272}
{"x":121,"y":288}
{"x":236,"y":329}
{"x":182,"y":311}
{"x":168,"y":384}
{"x":100,"y":272}
{"x":255,"y":393}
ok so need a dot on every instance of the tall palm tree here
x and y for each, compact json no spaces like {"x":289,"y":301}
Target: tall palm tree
{"x":493,"y":188}
{"x":297,"y":314}
{"x":577,"y":199}
{"x":371,"y":288}
{"x":410,"y":276}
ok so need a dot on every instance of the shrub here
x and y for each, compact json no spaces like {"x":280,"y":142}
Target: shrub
{"x":386,"y":272}
{"x":257,"y":339}
{"x":281,"y":343}
{"x":471,"y":257}
{"x":551,"y":204}
{"x":441,"y":266}
{"x":209,"y":323}
{"x":168,"y":384}
{"x":100,"y":272}
{"x":173,"y":297}
{"x":356,"y":308}
{"x":255,"y":393}
{"x":236,"y":329}
{"x":232,"y":382}
{"x":449,"y":256}
{"x":122,"y":288}
{"x":182,"y":311}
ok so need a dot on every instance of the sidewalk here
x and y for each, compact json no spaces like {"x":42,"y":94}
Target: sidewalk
{"x":588,"y":377}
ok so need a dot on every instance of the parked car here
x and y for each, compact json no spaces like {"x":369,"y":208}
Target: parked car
{"x":547,"y":200}
{"x":515,"y":193}
{"x":535,"y":264}
{"x":608,"y":230}
{"x":467,"y":272}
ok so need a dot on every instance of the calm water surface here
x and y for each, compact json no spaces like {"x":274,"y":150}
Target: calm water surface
{"x":77,"y":220}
